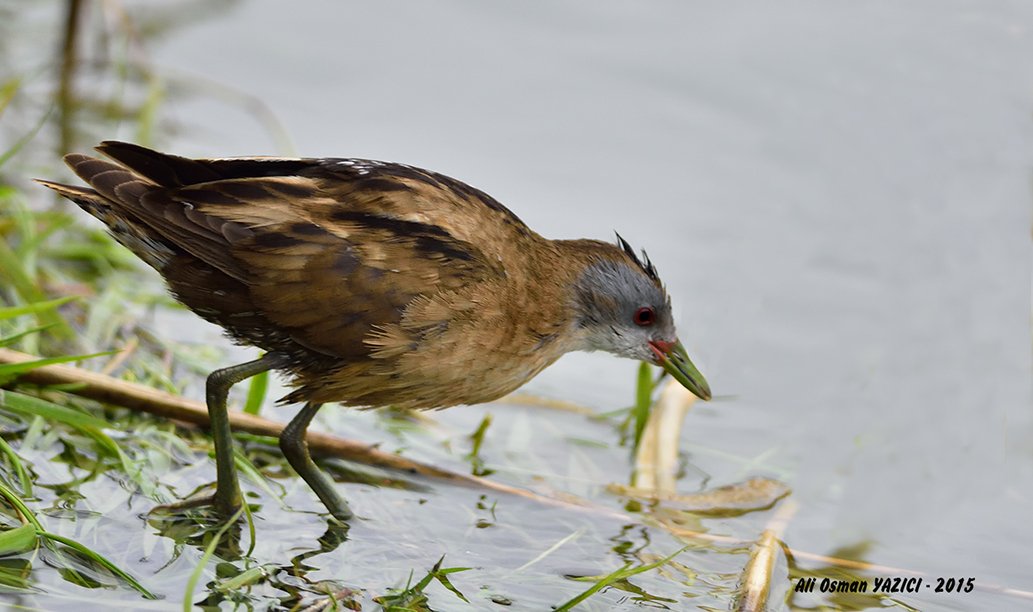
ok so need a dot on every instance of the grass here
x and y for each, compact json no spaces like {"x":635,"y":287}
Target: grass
{"x":79,"y":478}
{"x":99,"y":440}
{"x":413,"y":596}
{"x":93,"y":441}
{"x":32,"y":532}
{"x":614,"y":577}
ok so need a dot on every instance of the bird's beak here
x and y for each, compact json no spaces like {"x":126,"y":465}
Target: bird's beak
{"x":671,"y":356}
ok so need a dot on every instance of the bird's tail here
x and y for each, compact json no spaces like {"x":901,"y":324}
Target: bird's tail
{"x":134,"y":235}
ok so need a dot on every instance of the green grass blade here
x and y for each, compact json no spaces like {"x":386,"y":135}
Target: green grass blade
{"x":134,"y":471}
{"x":442,"y":577}
{"x":412,"y":597}
{"x":20,"y":506}
{"x":188,"y":596}
{"x":18,"y":539}
{"x":16,"y":311}
{"x":91,"y":426}
{"x":10,"y":370}
{"x":150,"y":110}
{"x":620,"y":574}
{"x":9,"y":340}
{"x":643,"y":400}
{"x":617,"y":575}
{"x":12,"y":269}
{"x":34,"y":406}
{"x":26,"y":138}
{"x":253,"y":541}
{"x":247,"y":577}
{"x":256,"y":392}
{"x":111,"y":567}
{"x":7,"y":91}
{"x":249,"y":471}
{"x":478,"y":436}
{"x":16,"y":461}
{"x":32,"y":244}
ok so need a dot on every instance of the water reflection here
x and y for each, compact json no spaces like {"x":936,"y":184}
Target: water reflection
{"x":832,"y":193}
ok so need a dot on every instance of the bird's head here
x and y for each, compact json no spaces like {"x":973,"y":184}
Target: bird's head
{"x":623,"y":309}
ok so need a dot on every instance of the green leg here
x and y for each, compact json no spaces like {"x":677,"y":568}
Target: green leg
{"x":227,"y":498}
{"x":292,"y":443}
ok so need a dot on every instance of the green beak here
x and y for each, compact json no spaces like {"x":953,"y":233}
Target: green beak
{"x":673,"y":358}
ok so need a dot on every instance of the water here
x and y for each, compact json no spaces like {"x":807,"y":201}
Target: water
{"x":836,"y":195}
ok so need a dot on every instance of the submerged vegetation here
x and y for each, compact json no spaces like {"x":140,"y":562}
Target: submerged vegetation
{"x":521,"y":510}
{"x":79,"y":478}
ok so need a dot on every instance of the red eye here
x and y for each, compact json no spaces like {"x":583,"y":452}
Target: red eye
{"x":645,"y":316}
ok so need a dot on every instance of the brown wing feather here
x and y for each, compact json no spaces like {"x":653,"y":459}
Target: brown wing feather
{"x":333,"y":282}
{"x":136,"y":198}
{"x":175,"y":171}
{"x":330,"y":253}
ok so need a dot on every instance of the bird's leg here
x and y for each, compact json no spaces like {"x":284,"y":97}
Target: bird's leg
{"x":227,"y":498}
{"x":294,"y":447}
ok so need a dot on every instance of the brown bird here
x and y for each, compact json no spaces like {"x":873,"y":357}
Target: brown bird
{"x":370,"y":284}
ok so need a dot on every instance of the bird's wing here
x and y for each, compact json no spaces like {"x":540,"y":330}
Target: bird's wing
{"x":394,"y":190}
{"x":330,"y":249}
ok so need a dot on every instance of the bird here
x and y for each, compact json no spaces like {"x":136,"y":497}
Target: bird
{"x":369,"y":284}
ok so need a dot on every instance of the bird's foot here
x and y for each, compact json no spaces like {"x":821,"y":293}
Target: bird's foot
{"x":339,"y":511}
{"x":210,"y":502}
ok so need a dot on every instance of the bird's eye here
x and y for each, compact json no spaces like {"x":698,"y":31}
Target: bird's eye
{"x":644,"y":316}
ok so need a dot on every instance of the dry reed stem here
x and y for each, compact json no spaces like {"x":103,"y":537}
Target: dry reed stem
{"x":756,"y":584}
{"x":160,"y":403}
{"x":142,"y":398}
{"x":656,"y":460}
{"x":527,"y":399}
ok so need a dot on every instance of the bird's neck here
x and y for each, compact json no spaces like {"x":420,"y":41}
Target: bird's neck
{"x":549,"y":289}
